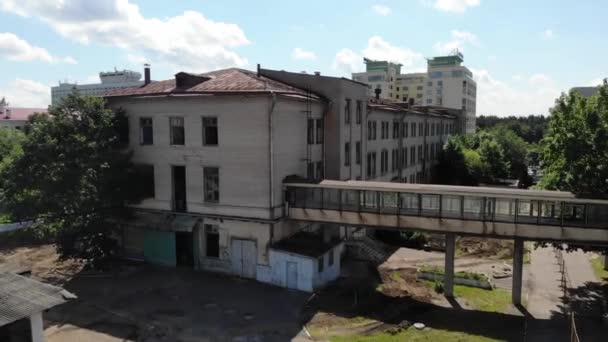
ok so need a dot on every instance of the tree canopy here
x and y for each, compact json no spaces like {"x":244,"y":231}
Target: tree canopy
{"x":73,"y":175}
{"x":574,"y":152}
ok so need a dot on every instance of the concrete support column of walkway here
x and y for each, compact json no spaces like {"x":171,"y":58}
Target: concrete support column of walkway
{"x":36,"y":327}
{"x":518,"y":264}
{"x":448,"y":280}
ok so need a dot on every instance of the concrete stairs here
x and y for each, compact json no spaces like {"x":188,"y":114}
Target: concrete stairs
{"x":368,"y":249}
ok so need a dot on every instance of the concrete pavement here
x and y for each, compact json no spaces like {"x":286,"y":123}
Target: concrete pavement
{"x":542,"y":288}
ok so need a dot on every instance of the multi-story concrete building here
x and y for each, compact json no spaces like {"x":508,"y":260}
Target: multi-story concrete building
{"x":380,"y":75}
{"x":217,"y":147}
{"x":410,"y":88}
{"x":109,"y":80}
{"x":16,"y":117}
{"x":447,"y":83}
{"x":450,"y":84}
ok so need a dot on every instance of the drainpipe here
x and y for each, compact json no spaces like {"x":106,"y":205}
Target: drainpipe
{"x":271,"y":153}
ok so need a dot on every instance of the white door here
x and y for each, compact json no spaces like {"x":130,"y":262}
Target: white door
{"x":292,"y":275}
{"x":244,"y":258}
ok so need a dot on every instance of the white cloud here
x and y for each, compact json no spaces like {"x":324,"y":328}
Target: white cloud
{"x":26,"y":93}
{"x":596,"y":81}
{"x":459,"y":40}
{"x":382,"y":10}
{"x":16,"y":49}
{"x":189,"y":41}
{"x":378,"y":48}
{"x":495,"y":97}
{"x":547,"y":34}
{"x":455,"y":6}
{"x":301,"y":54}
{"x":349,"y":61}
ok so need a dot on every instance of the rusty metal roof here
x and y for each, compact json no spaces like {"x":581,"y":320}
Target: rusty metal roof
{"x":21,"y":297}
{"x":225,"y":81}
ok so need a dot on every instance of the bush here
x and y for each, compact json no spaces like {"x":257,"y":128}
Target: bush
{"x":438,"y":287}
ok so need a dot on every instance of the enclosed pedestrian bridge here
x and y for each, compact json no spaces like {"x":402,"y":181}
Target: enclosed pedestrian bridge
{"x":483,"y":211}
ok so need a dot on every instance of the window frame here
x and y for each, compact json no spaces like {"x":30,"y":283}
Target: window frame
{"x":171,"y":130}
{"x":217,"y":132}
{"x":206,"y":189}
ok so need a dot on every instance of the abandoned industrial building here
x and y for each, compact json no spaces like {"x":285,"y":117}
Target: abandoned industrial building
{"x":216,"y":149}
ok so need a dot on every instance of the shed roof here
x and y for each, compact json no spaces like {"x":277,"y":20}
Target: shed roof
{"x":304,"y":243}
{"x":19,"y":114}
{"x":224,"y":81}
{"x":21,"y":297}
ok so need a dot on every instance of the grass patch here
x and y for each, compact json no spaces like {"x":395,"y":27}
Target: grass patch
{"x":598,"y":268}
{"x":464,"y":275}
{"x":412,"y":334}
{"x":496,"y":300}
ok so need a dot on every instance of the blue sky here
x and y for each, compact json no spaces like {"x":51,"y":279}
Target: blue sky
{"x":523,"y":53}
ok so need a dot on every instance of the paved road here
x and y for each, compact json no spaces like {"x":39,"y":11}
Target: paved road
{"x":542,"y":289}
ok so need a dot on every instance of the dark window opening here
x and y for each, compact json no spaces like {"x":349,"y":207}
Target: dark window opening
{"x":212,"y":241}
{"x":146,"y":131}
{"x":210,"y":133}
{"x":179,"y":188}
{"x":177,"y":131}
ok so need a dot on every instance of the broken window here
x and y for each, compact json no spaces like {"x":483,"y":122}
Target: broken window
{"x":210,"y":134}
{"x":146,"y":132}
{"x":212,"y":238}
{"x":177,"y":131}
{"x":212,"y":184}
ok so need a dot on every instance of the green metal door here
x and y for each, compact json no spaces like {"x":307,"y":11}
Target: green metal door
{"x":159,"y":248}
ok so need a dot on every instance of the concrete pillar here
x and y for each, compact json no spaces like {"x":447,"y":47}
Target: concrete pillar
{"x":36,"y":327}
{"x":448,"y":280}
{"x":518,"y":263}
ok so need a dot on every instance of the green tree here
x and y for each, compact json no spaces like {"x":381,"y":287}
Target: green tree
{"x":451,"y":168}
{"x":515,"y":150}
{"x":10,"y":145}
{"x":575,"y":150}
{"x":493,"y":156}
{"x":73,"y":176}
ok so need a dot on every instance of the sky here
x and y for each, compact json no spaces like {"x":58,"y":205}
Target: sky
{"x":523,"y":53}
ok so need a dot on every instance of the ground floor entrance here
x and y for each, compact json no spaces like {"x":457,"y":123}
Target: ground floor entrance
{"x":243,"y":258}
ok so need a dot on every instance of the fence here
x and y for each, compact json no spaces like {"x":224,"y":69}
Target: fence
{"x":565,"y":284}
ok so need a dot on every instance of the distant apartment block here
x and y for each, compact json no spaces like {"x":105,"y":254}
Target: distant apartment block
{"x":108,"y":81}
{"x":447,"y":83}
{"x":216,"y":148}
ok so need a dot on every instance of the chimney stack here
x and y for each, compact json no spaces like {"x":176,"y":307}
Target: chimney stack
{"x":146,"y":73}
{"x":378,"y":91}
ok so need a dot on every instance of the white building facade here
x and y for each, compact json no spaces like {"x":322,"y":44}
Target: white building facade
{"x":108,"y":81}
{"x":215,"y":149}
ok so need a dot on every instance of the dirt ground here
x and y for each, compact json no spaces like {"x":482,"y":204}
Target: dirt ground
{"x":137,"y":302}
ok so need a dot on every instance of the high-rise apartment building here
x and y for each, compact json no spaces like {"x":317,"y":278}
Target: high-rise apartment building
{"x":446,"y":83}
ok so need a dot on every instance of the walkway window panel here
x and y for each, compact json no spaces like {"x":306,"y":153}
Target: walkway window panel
{"x":369,"y":201}
{"x":408,"y":204}
{"x":350,"y":200}
{"x":430,"y":205}
{"x":596,"y":215}
{"x":527,"y":211}
{"x":472,"y":208}
{"x":331,"y":199}
{"x":389,"y":202}
{"x":550,"y":213}
{"x":314,"y":198}
{"x":574,"y":214}
{"x":450,"y":206}
{"x":504,"y":210}
{"x":299,"y":197}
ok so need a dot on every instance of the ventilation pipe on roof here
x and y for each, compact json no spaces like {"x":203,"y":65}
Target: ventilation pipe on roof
{"x":146,"y":73}
{"x":258,"y":69}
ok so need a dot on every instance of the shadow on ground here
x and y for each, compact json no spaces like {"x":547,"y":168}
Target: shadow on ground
{"x":147,"y":303}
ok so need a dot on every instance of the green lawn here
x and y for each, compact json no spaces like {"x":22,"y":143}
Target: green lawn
{"x":598,"y":268}
{"x":496,"y":300}
{"x":412,"y":334}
